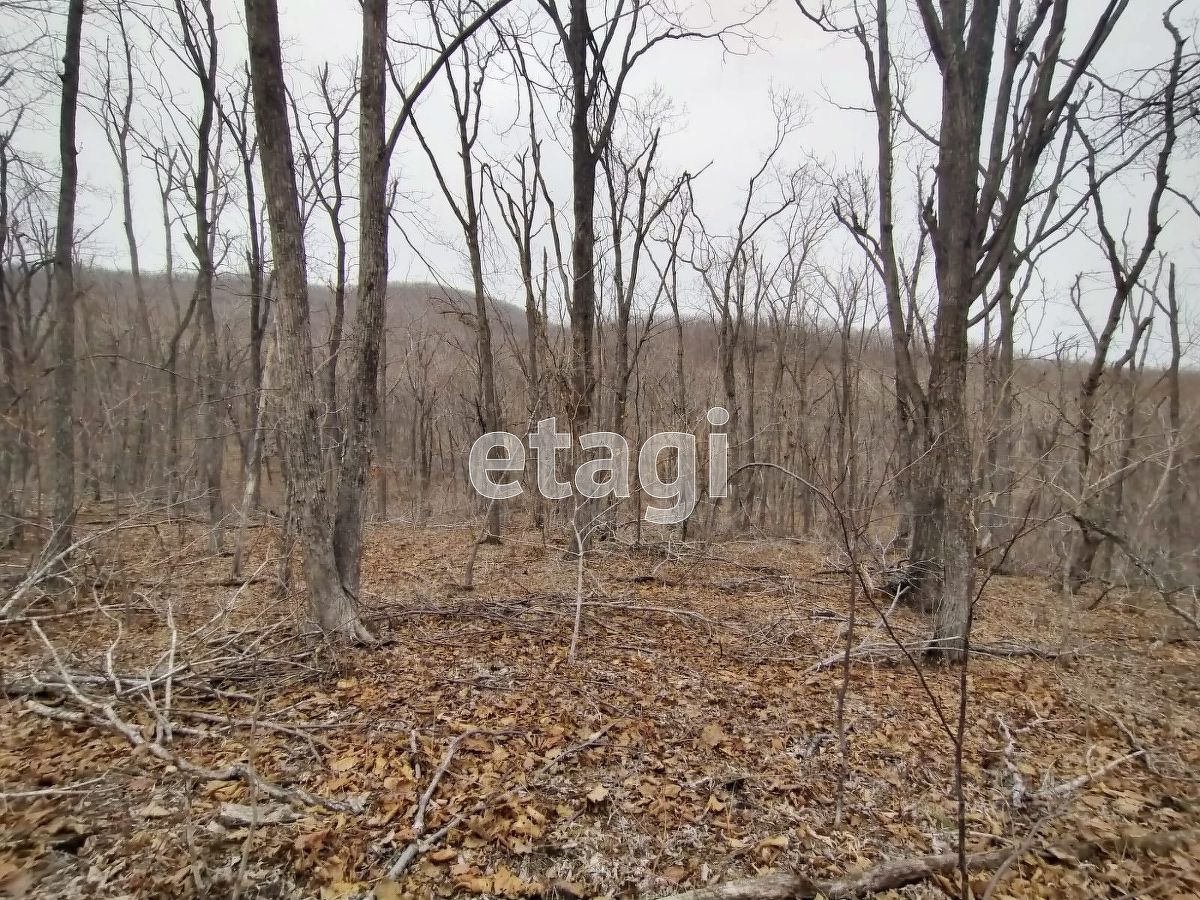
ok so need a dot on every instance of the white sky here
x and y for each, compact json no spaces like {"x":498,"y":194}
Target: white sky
{"x":724,"y":120}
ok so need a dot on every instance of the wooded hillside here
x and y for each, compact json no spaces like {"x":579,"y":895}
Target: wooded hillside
{"x":554,"y":448}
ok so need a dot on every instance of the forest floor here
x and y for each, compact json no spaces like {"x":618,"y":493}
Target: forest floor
{"x":694,"y":738}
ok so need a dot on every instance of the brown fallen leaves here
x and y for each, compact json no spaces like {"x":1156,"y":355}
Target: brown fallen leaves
{"x":681,"y":751}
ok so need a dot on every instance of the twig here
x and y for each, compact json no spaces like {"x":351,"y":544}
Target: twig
{"x":578,"y":595}
{"x":104,"y":716}
{"x":214,"y":719}
{"x":404,"y":860}
{"x":1017,"y":852}
{"x":898,"y":873}
{"x":439,"y":772}
{"x":1075,"y":784}
{"x":240,"y":877}
{"x":76,"y":788}
{"x":1010,"y":748}
{"x":410,"y":852}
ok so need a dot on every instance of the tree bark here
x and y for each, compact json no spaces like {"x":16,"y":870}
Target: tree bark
{"x":333,"y":607}
{"x":372,"y":292}
{"x":584,"y":159}
{"x":943,"y":545}
{"x":583,"y":208}
{"x":64,"y":299}
{"x":200,"y":45}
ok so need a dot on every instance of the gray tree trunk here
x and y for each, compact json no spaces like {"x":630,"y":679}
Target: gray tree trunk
{"x":333,"y":607}
{"x":583,"y":249}
{"x":997,"y":516}
{"x":944,"y":534}
{"x":63,"y":428}
{"x":363,"y":410}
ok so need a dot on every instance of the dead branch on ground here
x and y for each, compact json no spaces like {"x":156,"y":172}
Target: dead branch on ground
{"x":898,"y":873}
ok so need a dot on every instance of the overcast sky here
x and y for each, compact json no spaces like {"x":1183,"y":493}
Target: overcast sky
{"x":723,"y":119}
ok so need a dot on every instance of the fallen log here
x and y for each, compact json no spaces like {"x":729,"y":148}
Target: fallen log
{"x":901,"y":872}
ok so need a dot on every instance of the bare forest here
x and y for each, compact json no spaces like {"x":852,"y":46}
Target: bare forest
{"x":612,"y":449}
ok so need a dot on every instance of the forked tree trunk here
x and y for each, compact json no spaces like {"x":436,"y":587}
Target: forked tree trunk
{"x":979,"y":201}
{"x":122,"y":121}
{"x":1126,"y":277}
{"x":944,"y":535}
{"x":64,"y":298}
{"x":333,"y":607}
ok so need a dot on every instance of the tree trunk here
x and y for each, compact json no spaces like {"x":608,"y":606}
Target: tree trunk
{"x":583,"y":249}
{"x":910,"y":399}
{"x":487,"y":366}
{"x":11,"y":437}
{"x":64,"y":299}
{"x":254,"y":458}
{"x":1176,"y":492}
{"x":333,"y":607}
{"x":203,"y":60}
{"x":372,"y":293}
{"x":533,"y":333}
{"x":997,"y":517}
{"x":944,"y":534}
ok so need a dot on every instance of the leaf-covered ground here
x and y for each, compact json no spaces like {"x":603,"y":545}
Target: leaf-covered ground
{"x":691,"y":740}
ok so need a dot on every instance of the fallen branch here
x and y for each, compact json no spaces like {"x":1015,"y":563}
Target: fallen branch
{"x":236,"y":772}
{"x":422,"y":845}
{"x":879,"y":652}
{"x":1075,"y":784}
{"x":1010,"y":750}
{"x":1165,"y":591}
{"x":311,"y":739}
{"x":404,"y":860}
{"x":102,"y":715}
{"x":76,"y":788}
{"x":898,"y":873}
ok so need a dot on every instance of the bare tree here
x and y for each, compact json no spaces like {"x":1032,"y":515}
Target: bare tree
{"x":64,"y":297}
{"x":730,"y":271}
{"x":466,"y":81}
{"x":375,"y":150}
{"x":373,"y":162}
{"x":1176,"y":497}
{"x":518,"y":209}
{"x":985,"y":175}
{"x":327,"y":178}
{"x":237,"y":114}
{"x":600,"y":59}
{"x":333,"y":607}
{"x":1126,"y":266}
{"x":631,"y":177}
{"x":198,"y":51}
{"x":116,"y":115}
